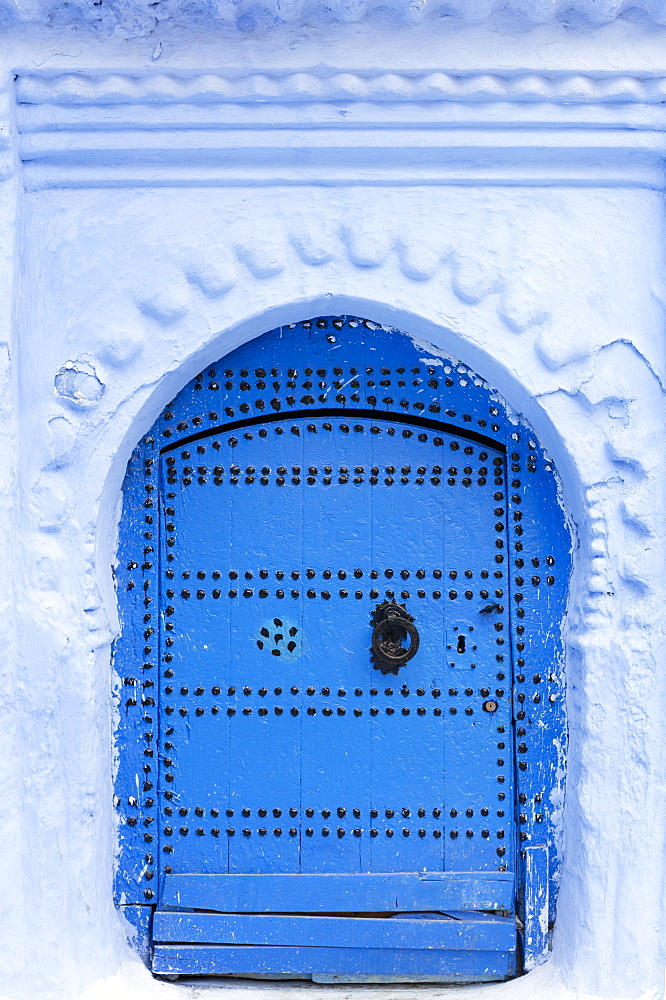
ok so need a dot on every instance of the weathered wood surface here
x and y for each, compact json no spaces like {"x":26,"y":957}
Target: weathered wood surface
{"x":535,"y":932}
{"x":469,"y":931}
{"x":179,"y":959}
{"x":340,"y":893}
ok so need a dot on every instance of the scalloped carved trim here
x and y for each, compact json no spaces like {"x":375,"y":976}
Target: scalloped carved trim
{"x":246,"y":16}
{"x":73,"y":89}
{"x":519,"y":306}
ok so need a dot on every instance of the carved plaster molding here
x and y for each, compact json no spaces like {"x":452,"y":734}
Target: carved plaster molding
{"x":8,"y":145}
{"x":137,"y":19}
{"x":471,"y":277}
{"x":111,"y":89}
{"x":435,"y":128}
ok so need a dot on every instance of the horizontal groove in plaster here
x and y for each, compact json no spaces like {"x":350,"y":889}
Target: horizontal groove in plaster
{"x":47,"y":119}
{"x":532,"y":143}
{"x":38,"y":177}
{"x":242,"y":157}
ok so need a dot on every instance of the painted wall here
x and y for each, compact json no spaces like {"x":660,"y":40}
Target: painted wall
{"x":495,"y":191}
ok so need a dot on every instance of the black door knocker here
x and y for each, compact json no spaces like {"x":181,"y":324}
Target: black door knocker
{"x":392,"y":623}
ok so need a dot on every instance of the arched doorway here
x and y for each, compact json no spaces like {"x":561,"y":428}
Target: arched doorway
{"x":342,"y":573}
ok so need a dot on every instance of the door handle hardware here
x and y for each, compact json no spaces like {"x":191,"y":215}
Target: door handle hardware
{"x":489,"y":608}
{"x":392,"y":624}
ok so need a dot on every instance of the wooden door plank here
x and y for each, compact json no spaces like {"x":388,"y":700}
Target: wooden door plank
{"x":535,"y":933}
{"x":497,"y":934}
{"x":413,"y":964}
{"x":340,"y":893}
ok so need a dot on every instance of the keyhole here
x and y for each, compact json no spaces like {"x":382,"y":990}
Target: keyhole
{"x":461,"y":643}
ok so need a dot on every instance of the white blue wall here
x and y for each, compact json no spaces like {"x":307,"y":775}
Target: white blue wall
{"x":172,"y":185}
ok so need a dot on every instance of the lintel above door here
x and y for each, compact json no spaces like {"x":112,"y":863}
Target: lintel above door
{"x":364,"y":127}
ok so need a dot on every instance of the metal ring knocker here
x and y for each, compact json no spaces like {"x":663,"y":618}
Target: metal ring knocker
{"x":391,"y":625}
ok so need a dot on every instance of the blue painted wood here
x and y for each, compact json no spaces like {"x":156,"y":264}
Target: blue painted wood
{"x":535,"y":937}
{"x":540,"y":556}
{"x":465,"y":932}
{"x":340,"y":893}
{"x":137,"y":680}
{"x":302,"y":480}
{"x":392,"y":977}
{"x":140,"y":919}
{"x":407,"y":964}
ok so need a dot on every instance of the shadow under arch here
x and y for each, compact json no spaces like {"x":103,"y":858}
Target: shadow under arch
{"x":446,"y":342}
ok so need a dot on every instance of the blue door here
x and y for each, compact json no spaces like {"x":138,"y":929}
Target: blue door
{"x":335,"y":758}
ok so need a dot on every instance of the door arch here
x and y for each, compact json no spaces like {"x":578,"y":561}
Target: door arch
{"x":291,"y":497}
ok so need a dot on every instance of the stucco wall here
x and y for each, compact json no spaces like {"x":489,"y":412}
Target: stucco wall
{"x":523,"y":236}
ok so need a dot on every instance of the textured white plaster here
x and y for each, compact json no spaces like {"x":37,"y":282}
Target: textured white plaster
{"x":554,"y":294}
{"x":594,"y":336}
{"x":12,"y":819}
{"x":136,"y":18}
{"x":77,"y":383}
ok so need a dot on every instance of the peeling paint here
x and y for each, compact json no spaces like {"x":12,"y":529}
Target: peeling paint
{"x":78,"y":384}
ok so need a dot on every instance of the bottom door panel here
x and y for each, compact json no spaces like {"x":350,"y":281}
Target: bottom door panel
{"x":455,"y":947}
{"x":469,"y":931}
{"x":364,"y":964}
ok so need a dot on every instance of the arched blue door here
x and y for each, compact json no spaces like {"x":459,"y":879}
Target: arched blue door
{"x":333,"y":776}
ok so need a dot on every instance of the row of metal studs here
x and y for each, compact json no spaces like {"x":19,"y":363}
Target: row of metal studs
{"x":325,"y":594}
{"x":325,"y":481}
{"x":341,"y":832}
{"x":327,"y":574}
{"x":326,"y":691}
{"x":282,"y":470}
{"x":278,"y":710}
{"x":326,"y":813}
{"x":521,"y":732}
